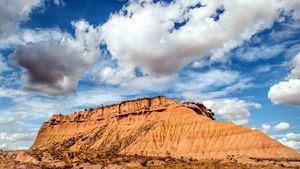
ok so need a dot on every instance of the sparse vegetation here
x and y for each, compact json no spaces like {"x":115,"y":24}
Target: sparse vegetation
{"x":83,"y":159}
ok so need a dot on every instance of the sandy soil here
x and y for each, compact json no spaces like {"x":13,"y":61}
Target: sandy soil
{"x":26,"y":160}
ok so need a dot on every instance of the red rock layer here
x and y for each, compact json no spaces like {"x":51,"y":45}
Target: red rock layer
{"x":156,"y":127}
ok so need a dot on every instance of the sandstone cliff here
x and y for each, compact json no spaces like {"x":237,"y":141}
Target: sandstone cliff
{"x":155,"y":127}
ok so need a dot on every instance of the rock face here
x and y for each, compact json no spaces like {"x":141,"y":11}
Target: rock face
{"x":155,"y":127}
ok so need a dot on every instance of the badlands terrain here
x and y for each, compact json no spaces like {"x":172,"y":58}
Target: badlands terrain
{"x":149,"y":133}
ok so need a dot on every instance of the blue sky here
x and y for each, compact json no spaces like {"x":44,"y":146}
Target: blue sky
{"x":240,"y":58}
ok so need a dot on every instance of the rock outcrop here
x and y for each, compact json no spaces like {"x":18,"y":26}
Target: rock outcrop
{"x":155,"y":127}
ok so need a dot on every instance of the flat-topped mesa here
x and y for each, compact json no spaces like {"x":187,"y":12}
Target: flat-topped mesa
{"x":155,"y":126}
{"x":67,"y":126}
{"x":130,"y":107}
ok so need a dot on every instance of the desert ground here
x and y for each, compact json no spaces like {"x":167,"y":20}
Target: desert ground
{"x":92,"y":160}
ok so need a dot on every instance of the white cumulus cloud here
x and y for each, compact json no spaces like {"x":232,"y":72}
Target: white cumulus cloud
{"x":10,"y":140}
{"x":232,"y":109}
{"x":291,"y":140}
{"x":293,"y":136}
{"x":287,"y":92}
{"x":266,"y":127}
{"x":116,"y":76}
{"x":12,"y":13}
{"x":145,"y":34}
{"x":281,"y":126}
{"x":295,"y":72}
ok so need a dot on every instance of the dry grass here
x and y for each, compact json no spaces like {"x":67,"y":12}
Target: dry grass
{"x":95,"y":159}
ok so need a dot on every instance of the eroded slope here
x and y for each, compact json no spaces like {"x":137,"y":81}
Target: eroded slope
{"x":155,"y":127}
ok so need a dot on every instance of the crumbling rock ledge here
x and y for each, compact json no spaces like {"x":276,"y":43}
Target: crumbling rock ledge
{"x":126,"y":108}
